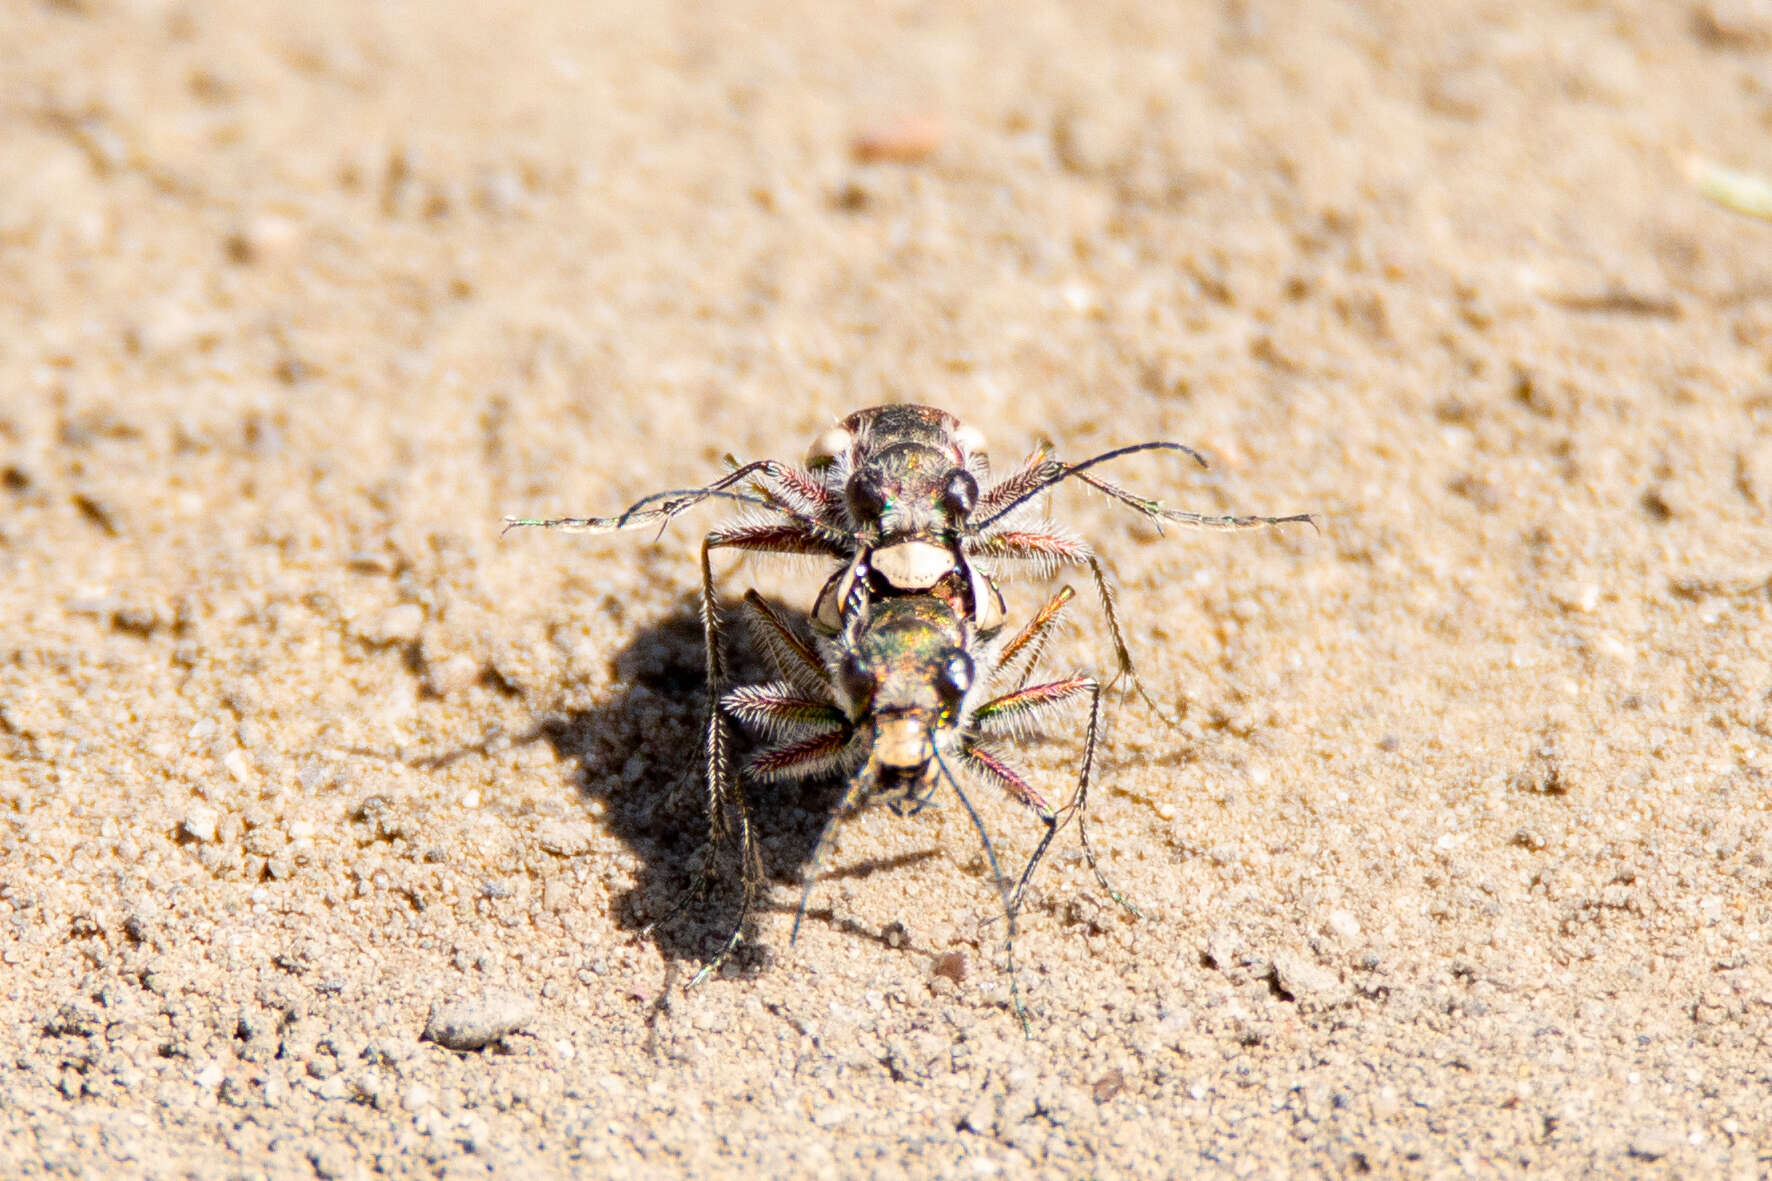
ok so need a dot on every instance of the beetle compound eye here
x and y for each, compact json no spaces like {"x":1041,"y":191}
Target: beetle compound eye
{"x":960,"y":495}
{"x":956,"y":675}
{"x":858,"y":682}
{"x":867,"y":502}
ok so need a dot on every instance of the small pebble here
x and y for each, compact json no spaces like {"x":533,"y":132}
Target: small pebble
{"x":389,"y":1051}
{"x":1654,"y":1143}
{"x":450,"y":676}
{"x":265,"y":238}
{"x":1225,"y":949}
{"x":396,"y":625}
{"x":239,"y":765}
{"x":981,"y":1117}
{"x":566,"y":838}
{"x":906,"y":140}
{"x":199,"y":824}
{"x":1344,"y":924}
{"x":477,"y":1022}
{"x":1305,"y":980}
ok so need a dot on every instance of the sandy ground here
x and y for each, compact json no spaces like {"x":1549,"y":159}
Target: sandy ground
{"x":1456,"y":861}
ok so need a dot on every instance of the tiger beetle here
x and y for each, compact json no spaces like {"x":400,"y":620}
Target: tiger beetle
{"x":910,"y":695}
{"x":902,"y":496}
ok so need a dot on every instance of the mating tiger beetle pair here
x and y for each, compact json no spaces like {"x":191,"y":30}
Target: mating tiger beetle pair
{"x":904,"y":676}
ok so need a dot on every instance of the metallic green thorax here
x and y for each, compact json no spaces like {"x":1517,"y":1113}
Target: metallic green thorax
{"x":906,"y":658}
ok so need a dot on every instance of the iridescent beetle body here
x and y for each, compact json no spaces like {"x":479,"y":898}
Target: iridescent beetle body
{"x":907,"y":697}
{"x":901,"y":497}
{"x":907,"y":478}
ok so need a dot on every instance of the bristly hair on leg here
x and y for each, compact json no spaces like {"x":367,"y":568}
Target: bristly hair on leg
{"x":723,"y":786}
{"x":1057,"y":548}
{"x":1079,"y":804}
{"x":1005,"y":713}
{"x":1013,"y":712}
{"x":787,"y":648}
{"x":727,"y":807}
{"x":1029,"y":644}
{"x":750,"y":876}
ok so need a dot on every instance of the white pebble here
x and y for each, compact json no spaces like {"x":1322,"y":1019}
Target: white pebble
{"x":477,"y":1022}
{"x":199,"y":824}
{"x":396,"y":625}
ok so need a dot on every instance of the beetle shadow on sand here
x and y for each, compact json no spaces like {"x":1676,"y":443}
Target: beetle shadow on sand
{"x":640,"y":754}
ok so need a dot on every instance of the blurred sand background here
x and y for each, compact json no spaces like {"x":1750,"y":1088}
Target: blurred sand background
{"x":1456,"y":863}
